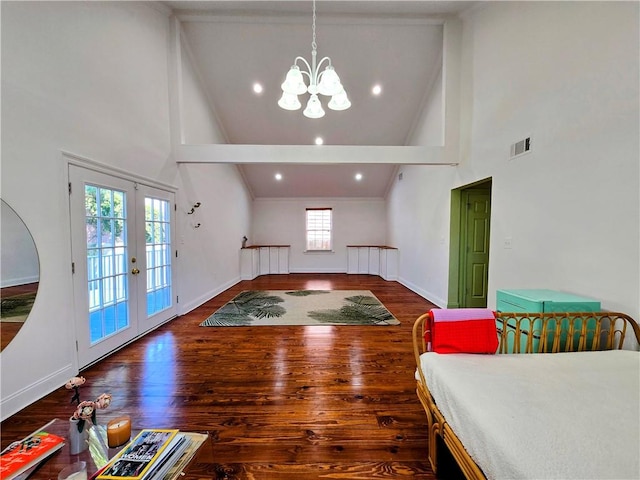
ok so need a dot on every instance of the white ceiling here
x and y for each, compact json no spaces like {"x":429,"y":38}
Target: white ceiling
{"x":397,"y":44}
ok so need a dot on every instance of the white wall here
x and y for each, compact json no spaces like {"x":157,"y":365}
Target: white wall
{"x":282,"y":222}
{"x":429,"y":128}
{"x":216,"y":228}
{"x":199,"y":122}
{"x":91,"y":78}
{"x":211,"y":260}
{"x":565,"y":73}
{"x":418,"y":212}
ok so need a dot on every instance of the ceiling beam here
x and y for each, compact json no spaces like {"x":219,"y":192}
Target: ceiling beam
{"x":310,"y":154}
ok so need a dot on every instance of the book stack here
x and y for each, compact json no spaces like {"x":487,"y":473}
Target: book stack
{"x":154,"y":454}
{"x":20,"y":458}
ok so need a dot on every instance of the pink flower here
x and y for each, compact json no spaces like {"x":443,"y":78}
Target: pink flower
{"x":103,"y":401}
{"x":85,"y":410}
{"x":74,"y":382}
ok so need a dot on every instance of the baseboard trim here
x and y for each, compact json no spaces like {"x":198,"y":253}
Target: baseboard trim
{"x":433,"y":298}
{"x":187,"y":307}
{"x":317,"y":270}
{"x":24,"y":397}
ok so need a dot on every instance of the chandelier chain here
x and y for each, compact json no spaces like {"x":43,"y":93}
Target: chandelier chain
{"x":314,"y":45}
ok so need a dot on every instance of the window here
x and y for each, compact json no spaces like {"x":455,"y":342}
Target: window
{"x":319,"y":229}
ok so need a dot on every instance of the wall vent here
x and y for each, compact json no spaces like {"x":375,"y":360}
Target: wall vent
{"x":520,"y":148}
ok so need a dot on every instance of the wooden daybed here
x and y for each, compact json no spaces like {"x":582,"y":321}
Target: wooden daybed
{"x":544,"y":412}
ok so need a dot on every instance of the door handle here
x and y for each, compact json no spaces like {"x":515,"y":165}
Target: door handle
{"x":135,"y":271}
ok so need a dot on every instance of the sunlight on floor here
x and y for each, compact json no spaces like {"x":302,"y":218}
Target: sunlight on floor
{"x":318,"y":285}
{"x":157,"y":384}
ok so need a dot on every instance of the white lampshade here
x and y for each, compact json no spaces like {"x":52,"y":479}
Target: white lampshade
{"x":339,"y":101}
{"x":289,"y":101}
{"x":314,"y":108}
{"x":294,"y":82}
{"x":329,"y":82}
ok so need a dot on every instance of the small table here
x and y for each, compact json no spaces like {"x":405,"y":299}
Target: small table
{"x":50,"y":468}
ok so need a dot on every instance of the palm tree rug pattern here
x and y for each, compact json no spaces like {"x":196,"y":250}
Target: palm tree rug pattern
{"x":301,"y":307}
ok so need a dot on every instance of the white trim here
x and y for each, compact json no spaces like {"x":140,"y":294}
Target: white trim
{"x":24,"y":397}
{"x":12,"y":282}
{"x":317,"y":270}
{"x":313,"y":154}
{"x":433,"y":298}
{"x":187,"y":307}
{"x":328,"y":18}
{"x":80,"y":161}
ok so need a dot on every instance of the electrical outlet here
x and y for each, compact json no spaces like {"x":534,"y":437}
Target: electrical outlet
{"x":508,"y":243}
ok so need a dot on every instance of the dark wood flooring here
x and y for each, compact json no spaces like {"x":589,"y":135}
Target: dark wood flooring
{"x":278,"y":402}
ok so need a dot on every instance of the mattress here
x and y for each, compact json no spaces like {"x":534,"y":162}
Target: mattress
{"x":542,"y":416}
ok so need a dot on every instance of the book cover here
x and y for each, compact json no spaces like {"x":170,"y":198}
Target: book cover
{"x":139,"y":457}
{"x":31,"y":450}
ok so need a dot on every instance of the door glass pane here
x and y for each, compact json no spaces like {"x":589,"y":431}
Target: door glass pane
{"x":158,"y":251}
{"x":105,"y":225}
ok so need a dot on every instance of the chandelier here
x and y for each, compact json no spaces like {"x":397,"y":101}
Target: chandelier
{"x":325,"y":82}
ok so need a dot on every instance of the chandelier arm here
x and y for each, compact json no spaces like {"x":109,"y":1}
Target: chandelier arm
{"x":321,"y":61}
{"x":302,"y":59}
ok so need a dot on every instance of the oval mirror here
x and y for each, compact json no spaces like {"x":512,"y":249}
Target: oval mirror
{"x":19,"y":275}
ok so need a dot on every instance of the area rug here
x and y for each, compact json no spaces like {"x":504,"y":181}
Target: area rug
{"x":16,"y":308}
{"x":301,"y":307}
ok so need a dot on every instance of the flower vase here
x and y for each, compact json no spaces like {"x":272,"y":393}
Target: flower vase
{"x":78,"y":441}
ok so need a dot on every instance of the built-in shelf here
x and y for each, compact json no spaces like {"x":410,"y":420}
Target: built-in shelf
{"x":263,"y":260}
{"x":379,"y":260}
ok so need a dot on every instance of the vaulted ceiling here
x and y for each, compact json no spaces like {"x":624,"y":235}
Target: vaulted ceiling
{"x":395,"y":44}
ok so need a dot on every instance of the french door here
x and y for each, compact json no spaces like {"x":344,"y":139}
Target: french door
{"x":121,"y":240}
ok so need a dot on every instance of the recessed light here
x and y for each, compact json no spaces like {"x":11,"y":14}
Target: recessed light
{"x":358,"y":176}
{"x":257,"y":88}
{"x":377,"y":89}
{"x":278,"y":176}
{"x":319,"y":141}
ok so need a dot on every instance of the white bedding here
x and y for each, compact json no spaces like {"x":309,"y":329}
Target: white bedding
{"x":543,"y":416}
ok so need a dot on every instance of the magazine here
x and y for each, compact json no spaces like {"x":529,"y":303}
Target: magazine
{"x":144,"y":455}
{"x":195,"y":441}
{"x":175,"y":463}
{"x":20,"y":456}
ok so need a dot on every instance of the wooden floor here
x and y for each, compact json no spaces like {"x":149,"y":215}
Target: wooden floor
{"x":290,"y":403}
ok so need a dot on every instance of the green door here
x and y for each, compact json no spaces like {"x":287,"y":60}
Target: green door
{"x":476,"y":206}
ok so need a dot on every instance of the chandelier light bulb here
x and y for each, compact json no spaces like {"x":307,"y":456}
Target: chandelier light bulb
{"x":314,"y":108}
{"x":339,"y":101}
{"x":294,"y":83}
{"x":330,"y":82}
{"x":289,"y":101}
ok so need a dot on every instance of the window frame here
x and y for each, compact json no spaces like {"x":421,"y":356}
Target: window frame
{"x":307,"y":230}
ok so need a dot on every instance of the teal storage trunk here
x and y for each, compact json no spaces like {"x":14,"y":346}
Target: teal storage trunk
{"x":544,"y":301}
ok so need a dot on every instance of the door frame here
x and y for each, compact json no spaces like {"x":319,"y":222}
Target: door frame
{"x":71,"y":159}
{"x":457,"y":236}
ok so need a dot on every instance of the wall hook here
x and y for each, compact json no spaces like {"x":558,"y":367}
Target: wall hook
{"x":193,"y":209}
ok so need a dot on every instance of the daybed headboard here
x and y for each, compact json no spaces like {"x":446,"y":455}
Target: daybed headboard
{"x":565,"y":332}
{"x":555,"y":332}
